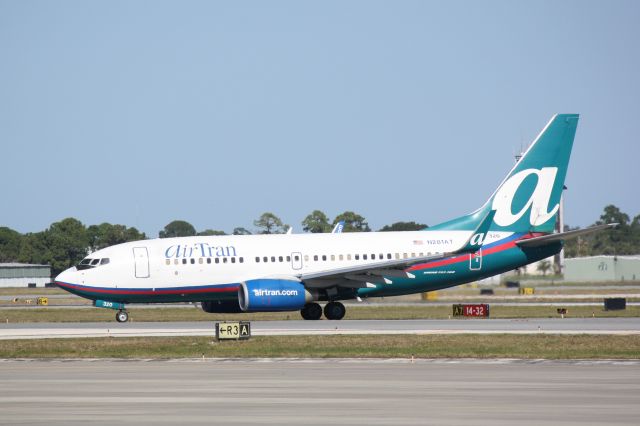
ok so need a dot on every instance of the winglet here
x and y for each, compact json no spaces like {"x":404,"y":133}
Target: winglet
{"x":475,"y":241}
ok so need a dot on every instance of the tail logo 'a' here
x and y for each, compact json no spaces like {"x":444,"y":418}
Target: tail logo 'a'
{"x":538,"y":201}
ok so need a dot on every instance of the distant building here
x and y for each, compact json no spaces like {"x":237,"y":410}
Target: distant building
{"x":24,"y":275}
{"x":602,"y":268}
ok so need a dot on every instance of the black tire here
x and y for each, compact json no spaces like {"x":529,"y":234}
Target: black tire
{"x":334,"y":311}
{"x":122,"y":316}
{"x":311,"y":311}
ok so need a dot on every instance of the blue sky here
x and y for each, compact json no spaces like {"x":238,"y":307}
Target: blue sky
{"x":142,"y":112}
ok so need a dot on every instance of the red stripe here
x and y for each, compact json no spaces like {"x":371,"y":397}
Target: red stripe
{"x":465,"y":257}
{"x":147,"y":292}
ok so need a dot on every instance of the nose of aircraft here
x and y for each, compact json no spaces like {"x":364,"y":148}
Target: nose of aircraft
{"x":67,"y":275}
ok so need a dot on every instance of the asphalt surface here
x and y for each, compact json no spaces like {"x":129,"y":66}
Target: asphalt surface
{"x":319,"y":392}
{"x":625,"y":326}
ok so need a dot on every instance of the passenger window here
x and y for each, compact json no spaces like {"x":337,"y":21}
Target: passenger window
{"x":405,"y":255}
{"x":242,"y":260}
{"x":315,"y":257}
{"x":217,"y":260}
{"x":333,"y":257}
{"x":288,"y":258}
{"x":296,"y":258}
{"x":208,"y":260}
{"x":397,"y":255}
{"x":281,"y":259}
{"x":201,"y":261}
{"x":233,"y":260}
{"x":341,"y":257}
{"x":421,"y":254}
{"x":273,"y":258}
{"x":324,"y":257}
{"x":176,"y":261}
{"x":104,"y":261}
{"x":184,"y":261}
{"x":306,"y":257}
{"x":168,"y":262}
{"x":257,"y":259}
{"x":357,"y":256}
{"x":224,"y":260}
{"x":413,"y":255}
{"x":193,"y":261}
{"x":348,"y":257}
{"x":265,"y":259}
{"x":388,"y":255}
{"x":364,"y":257}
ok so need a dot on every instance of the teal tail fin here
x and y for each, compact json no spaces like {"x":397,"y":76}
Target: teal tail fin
{"x":528,"y":199}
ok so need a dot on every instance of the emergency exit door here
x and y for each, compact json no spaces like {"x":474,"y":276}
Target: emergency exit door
{"x":475,"y":260}
{"x":141,"y":261}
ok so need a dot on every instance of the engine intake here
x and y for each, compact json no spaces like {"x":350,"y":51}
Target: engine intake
{"x":269,"y":295}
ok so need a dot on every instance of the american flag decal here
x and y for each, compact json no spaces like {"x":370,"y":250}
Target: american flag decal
{"x":417,"y":242}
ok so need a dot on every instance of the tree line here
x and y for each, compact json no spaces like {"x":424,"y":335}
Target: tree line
{"x":68,"y":241}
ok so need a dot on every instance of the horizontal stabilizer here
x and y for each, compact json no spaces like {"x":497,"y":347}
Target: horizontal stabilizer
{"x":562,"y":236}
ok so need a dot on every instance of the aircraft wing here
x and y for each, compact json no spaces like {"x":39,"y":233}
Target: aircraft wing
{"x":380,"y":272}
{"x":562,"y":236}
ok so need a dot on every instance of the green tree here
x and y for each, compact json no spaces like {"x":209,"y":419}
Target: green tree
{"x":10,"y":242}
{"x":106,"y":234}
{"x":241,"y":231}
{"x":67,"y":244}
{"x":353,"y":222}
{"x":404,"y":226}
{"x":268,"y":223}
{"x":316,"y":222}
{"x":178,"y":228}
{"x":208,"y":232}
{"x":34,"y":249}
{"x":544,"y":266}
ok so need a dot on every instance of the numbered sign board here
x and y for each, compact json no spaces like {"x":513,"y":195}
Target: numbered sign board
{"x":471,"y":310}
{"x":233,"y":330}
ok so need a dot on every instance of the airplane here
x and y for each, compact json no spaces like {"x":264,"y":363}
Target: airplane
{"x":291,"y":272}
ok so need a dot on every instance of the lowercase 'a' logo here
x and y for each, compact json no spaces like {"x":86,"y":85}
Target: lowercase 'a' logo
{"x":538,"y":201}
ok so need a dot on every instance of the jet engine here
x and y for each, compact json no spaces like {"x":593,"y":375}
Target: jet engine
{"x":268,"y":295}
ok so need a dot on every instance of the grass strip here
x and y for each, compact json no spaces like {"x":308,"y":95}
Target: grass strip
{"x":339,"y":346}
{"x":30,"y":315}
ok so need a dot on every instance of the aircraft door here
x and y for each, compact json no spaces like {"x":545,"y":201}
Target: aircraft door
{"x":141,"y":262}
{"x":296,"y":260}
{"x":475,"y":261}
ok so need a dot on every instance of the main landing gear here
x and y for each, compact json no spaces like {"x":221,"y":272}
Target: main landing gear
{"x":122,"y":316}
{"x":332,"y":311}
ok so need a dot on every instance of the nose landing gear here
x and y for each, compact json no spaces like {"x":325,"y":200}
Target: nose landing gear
{"x":122,"y":316}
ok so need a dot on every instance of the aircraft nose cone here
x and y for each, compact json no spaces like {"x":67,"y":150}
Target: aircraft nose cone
{"x":66,"y":276}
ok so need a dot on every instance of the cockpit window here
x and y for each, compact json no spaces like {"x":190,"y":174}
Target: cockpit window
{"x":88,"y":263}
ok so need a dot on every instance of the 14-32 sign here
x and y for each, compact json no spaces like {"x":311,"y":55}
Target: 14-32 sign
{"x":471,"y":310}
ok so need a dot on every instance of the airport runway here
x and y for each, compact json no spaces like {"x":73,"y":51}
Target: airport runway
{"x":319,"y":392}
{"x":625,"y":326}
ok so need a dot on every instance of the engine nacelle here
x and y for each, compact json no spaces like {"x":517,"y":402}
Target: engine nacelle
{"x":221,"y":306}
{"x":269,"y":295}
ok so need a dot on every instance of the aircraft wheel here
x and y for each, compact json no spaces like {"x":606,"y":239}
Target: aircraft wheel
{"x":334,"y":310}
{"x":311,"y":311}
{"x":122,"y":316}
